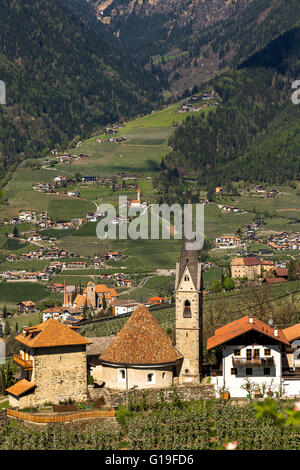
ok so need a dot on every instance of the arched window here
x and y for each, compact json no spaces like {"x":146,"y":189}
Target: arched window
{"x":187,"y":309}
{"x":186,"y":278}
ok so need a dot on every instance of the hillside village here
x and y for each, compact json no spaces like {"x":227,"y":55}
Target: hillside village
{"x":122,"y":315}
{"x":251,"y":357}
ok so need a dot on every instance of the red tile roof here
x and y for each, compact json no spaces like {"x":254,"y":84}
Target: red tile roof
{"x":282,"y":272}
{"x":292,"y":333}
{"x":20,"y":387}
{"x":275,"y":280}
{"x":250,"y":261}
{"x":241,"y":326}
{"x":51,"y":333}
{"x":141,"y":341}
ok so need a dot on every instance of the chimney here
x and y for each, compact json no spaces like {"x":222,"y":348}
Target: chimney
{"x":275,"y":332}
{"x":250,"y":319}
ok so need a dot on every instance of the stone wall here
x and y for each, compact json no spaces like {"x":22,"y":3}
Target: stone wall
{"x":185,"y":392}
{"x":2,"y":417}
{"x":60,"y":373}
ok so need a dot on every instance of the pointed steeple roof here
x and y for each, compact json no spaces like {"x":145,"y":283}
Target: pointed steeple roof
{"x":141,"y":341}
{"x":188,"y":259}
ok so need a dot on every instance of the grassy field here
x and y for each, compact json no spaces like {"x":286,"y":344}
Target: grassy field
{"x":30,"y":319}
{"x":13,"y":292}
{"x":67,"y":209}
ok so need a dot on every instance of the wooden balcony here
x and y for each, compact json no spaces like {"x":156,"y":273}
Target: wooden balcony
{"x":260,"y":361}
{"x":26,"y":365}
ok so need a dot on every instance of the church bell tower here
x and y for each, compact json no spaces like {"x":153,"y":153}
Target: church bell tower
{"x":189,"y":333}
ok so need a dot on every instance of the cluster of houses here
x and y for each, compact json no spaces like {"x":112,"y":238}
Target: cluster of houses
{"x":25,"y":216}
{"x":251,"y":267}
{"x":250,"y":231}
{"x":229,"y":241}
{"x":267,"y":194}
{"x":116,"y":140}
{"x":230,"y":209}
{"x":284,"y":241}
{"x":27,"y":276}
{"x":190,"y":106}
{"x":68,"y":158}
{"x":252,"y":358}
{"x":51,"y":187}
{"x":41,"y":254}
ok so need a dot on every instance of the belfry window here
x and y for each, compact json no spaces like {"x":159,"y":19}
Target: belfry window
{"x":187,"y":309}
{"x":186,"y":278}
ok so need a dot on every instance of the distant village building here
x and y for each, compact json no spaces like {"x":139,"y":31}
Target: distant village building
{"x":94,"y":294}
{"x":245,"y":267}
{"x":155,"y":300}
{"x":89,"y":179}
{"x":219,"y":190}
{"x":122,"y":307}
{"x":26,"y":306}
{"x":228,"y":241}
{"x":136,"y":202}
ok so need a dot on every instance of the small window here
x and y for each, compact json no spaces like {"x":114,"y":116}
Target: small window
{"x":234,"y":371}
{"x":249,"y":354}
{"x":256,"y":354}
{"x":186,"y":278}
{"x":267,"y":370}
{"x":163,"y":375}
{"x":267,"y":352}
{"x":150,"y":378}
{"x":186,"y":371}
{"x":237,"y":352}
{"x":122,"y":375}
{"x":248,"y":370}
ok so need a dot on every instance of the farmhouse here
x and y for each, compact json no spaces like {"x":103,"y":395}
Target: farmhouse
{"x":155,"y":300}
{"x":52,"y":360}
{"x":26,"y":306}
{"x":89,"y":179}
{"x":249,"y":267}
{"x":122,"y":307}
{"x":228,"y":241}
{"x":247,"y":349}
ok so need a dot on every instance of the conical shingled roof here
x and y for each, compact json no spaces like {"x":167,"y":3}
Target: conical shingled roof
{"x":141,"y":341}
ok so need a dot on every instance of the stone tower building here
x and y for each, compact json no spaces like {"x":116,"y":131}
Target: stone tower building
{"x":53,"y":365}
{"x":189,"y":334}
{"x":91,"y":294}
{"x":68,"y":294}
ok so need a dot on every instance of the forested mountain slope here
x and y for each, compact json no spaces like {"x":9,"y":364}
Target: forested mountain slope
{"x":185,"y":42}
{"x":62,"y":80}
{"x":255,"y":133}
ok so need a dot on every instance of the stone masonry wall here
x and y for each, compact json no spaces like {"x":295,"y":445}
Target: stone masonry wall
{"x":60,"y":373}
{"x":185,"y":392}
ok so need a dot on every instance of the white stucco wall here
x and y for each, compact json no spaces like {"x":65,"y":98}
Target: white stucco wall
{"x":296,"y":354}
{"x":291,"y":388}
{"x":234,"y":382}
